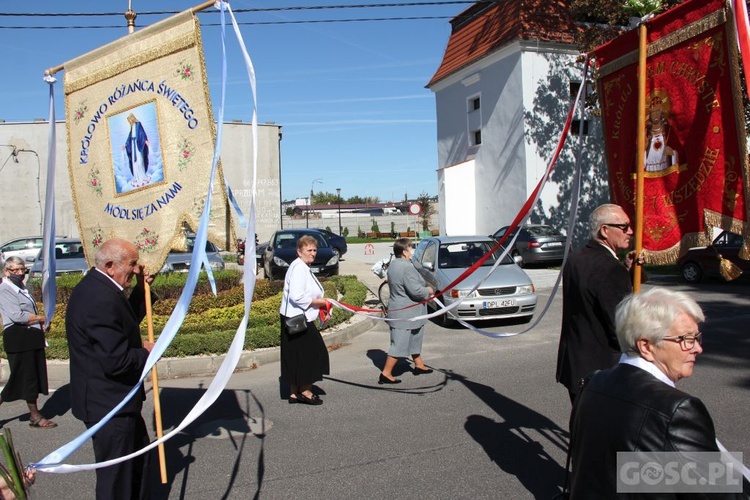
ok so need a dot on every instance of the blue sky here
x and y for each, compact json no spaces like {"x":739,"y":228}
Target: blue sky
{"x":349,"y":95}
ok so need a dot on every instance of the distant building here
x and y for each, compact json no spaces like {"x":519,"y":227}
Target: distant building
{"x":24,"y":177}
{"x":506,"y":81}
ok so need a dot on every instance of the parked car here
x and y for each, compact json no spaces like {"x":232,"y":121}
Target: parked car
{"x":282,"y":250}
{"x":507,"y":293}
{"x":536,"y":244}
{"x":259,"y":247}
{"x":69,"y":259}
{"x":703,"y":262}
{"x":179,"y":262}
{"x":338,"y":243}
{"x":27,"y":248}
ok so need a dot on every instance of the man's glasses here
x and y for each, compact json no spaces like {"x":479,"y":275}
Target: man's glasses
{"x":623,"y":227}
{"x":17,"y":270}
{"x":687,"y":341}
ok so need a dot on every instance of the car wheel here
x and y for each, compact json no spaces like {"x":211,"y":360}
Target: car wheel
{"x":692,"y":272}
{"x":446,"y":321}
{"x":337,"y":252}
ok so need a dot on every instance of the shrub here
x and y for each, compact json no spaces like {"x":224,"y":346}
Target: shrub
{"x":212,"y":322}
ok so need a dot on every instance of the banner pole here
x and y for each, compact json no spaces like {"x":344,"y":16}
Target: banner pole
{"x":155,"y":387}
{"x":640,"y":154}
{"x":198,"y":8}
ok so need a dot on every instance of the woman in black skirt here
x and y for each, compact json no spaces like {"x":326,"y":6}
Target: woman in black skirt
{"x":23,"y":339}
{"x":304,"y":357}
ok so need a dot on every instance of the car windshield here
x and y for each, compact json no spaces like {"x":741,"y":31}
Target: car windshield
{"x":465,"y":254}
{"x":67,"y":250}
{"x":542,"y":231}
{"x":289,"y":240}
{"x":210,"y":247}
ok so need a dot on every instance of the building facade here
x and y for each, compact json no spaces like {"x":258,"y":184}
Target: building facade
{"x":508,"y":77}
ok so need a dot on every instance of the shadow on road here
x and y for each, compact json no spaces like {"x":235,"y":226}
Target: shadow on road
{"x":227,"y":418}
{"x":512,"y":444}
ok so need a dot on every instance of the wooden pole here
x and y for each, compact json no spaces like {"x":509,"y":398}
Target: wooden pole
{"x":155,"y":388}
{"x":640,"y":154}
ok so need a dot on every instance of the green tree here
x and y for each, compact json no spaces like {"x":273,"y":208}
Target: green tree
{"x":428,"y":210}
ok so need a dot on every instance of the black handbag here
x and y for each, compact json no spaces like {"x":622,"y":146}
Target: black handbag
{"x":295,"y":324}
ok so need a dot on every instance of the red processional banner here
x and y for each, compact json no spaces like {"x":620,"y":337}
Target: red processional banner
{"x":696,"y":168}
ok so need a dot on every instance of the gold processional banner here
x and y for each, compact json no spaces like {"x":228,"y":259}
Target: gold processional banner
{"x":141,"y":141}
{"x":696,"y":168}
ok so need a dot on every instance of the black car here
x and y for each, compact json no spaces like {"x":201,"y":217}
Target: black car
{"x":282,"y":250}
{"x":703,"y":262}
{"x":338,"y":243}
{"x":536,"y":244}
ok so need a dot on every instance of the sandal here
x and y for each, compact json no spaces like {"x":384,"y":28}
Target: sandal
{"x":42,"y":423}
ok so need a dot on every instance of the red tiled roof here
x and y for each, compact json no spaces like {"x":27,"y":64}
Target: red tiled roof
{"x":487,"y":26}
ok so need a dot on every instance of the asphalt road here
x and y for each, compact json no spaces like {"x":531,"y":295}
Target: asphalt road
{"x":489,"y":423}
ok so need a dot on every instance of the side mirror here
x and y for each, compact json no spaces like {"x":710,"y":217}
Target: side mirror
{"x":517,"y":259}
{"x":31,"y":259}
{"x":430,"y":266}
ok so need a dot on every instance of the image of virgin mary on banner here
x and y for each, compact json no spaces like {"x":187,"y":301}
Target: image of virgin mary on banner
{"x":141,"y":138}
{"x":696,"y":169}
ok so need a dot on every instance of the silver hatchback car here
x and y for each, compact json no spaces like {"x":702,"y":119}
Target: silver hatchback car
{"x":507,"y":293}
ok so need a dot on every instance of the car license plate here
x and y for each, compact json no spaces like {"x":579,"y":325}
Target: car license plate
{"x":315,"y":269}
{"x":554,"y":244}
{"x":493,"y":304}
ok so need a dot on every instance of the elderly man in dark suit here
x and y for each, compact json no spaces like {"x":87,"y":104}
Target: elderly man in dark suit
{"x":594,"y":282}
{"x":107,"y":357}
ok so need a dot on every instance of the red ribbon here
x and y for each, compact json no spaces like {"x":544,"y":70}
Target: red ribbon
{"x":522,"y":214}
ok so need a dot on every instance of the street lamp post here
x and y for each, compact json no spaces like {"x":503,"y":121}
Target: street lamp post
{"x":338,"y":197}
{"x":309,"y":201}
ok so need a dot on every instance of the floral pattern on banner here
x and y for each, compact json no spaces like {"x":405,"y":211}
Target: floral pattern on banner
{"x":146,"y":241}
{"x":185,"y":70}
{"x":198,"y":205}
{"x":80,"y":112}
{"x":94,"y":182}
{"x":186,"y":153}
{"x":97,"y":238}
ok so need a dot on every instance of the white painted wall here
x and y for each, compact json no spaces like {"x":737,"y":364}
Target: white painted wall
{"x":460,"y":191}
{"x":506,"y":167}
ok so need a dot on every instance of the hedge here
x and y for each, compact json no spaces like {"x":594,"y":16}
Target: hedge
{"x":212,"y":321}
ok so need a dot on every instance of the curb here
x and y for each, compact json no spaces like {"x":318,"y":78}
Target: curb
{"x":58,"y":373}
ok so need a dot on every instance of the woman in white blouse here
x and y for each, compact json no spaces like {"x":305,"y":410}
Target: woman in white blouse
{"x":304,"y":357}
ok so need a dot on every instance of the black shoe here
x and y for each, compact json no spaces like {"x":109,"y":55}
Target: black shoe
{"x":422,"y":371}
{"x":292,"y":401}
{"x":385,"y":380}
{"x":315,"y":400}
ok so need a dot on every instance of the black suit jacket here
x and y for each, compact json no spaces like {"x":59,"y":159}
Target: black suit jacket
{"x":594,"y":282}
{"x":625,"y":408}
{"x":106,"y":351}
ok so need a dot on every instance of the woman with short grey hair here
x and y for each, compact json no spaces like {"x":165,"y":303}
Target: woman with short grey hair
{"x":635,"y":406}
{"x":650,"y":315}
{"x":23,"y":340}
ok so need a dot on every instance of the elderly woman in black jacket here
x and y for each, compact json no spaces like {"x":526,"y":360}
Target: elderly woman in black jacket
{"x":635,"y":406}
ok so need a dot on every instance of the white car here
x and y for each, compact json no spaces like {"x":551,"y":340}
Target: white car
{"x":507,"y":293}
{"x":27,"y":248}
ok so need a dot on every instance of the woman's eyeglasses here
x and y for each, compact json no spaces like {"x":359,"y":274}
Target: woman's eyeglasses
{"x":687,"y":341}
{"x":17,"y":270}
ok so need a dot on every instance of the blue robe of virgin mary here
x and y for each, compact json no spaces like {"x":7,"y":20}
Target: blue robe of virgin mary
{"x":140,"y":144}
